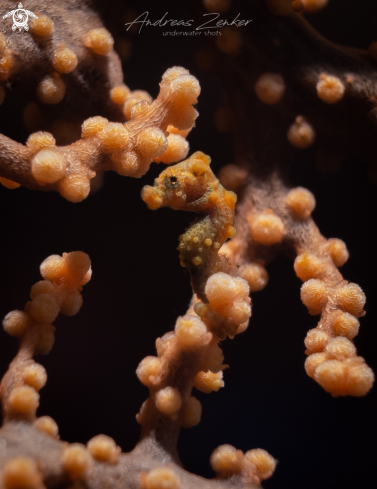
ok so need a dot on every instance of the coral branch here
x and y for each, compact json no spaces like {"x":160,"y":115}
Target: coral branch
{"x":324,"y":291}
{"x":332,"y":359}
{"x":57,"y":66}
{"x":60,"y":290}
{"x":125,"y":148}
{"x":21,"y":437}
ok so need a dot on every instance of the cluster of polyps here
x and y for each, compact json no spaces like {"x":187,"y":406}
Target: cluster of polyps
{"x":59,"y":292}
{"x":255,"y":465}
{"x":193,"y":348}
{"x":51,"y":89}
{"x":190,"y":336}
{"x":332,"y":359}
{"x":155,"y":132}
{"x":267,"y":228}
{"x":229,"y":304}
{"x":76,"y":461}
{"x":270,"y":89}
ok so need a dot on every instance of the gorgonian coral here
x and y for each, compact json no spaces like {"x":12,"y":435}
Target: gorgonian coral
{"x":127,"y":148}
{"x":285,"y":86}
{"x":59,"y":292}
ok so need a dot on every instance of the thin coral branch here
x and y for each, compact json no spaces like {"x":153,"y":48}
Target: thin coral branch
{"x":59,"y":292}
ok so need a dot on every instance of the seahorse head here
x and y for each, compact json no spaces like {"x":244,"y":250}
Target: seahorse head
{"x":182,"y":184}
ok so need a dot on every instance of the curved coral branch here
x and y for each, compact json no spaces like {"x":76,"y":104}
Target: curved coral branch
{"x":332,"y":359}
{"x":272,"y":218}
{"x":129,"y":148}
{"x":60,"y":291}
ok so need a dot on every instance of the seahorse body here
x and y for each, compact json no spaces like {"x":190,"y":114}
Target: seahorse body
{"x":191,"y":186}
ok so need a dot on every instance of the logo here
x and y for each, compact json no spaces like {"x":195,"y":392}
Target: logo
{"x":214,"y":22}
{"x":20,"y":18}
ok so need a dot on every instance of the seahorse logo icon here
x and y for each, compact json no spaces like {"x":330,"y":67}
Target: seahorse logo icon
{"x":20,"y":18}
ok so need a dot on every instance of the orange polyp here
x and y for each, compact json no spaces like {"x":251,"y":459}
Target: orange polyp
{"x":47,"y":425}
{"x":119,"y":94}
{"x":301,"y":202}
{"x":99,"y":41}
{"x":338,"y":251}
{"x":43,"y":26}
{"x":160,"y":478}
{"x":314,"y":295}
{"x":301,"y":134}
{"x":51,"y":89}
{"x":314,"y":6}
{"x":351,"y":299}
{"x":330,"y":89}
{"x":76,"y":460}
{"x":226,"y":460}
{"x":21,"y":473}
{"x":308,"y":266}
{"x":65,"y":60}
{"x":103,"y":449}
{"x":316,"y":340}
{"x":297,"y":6}
{"x":168,"y":401}
{"x":266,"y":228}
{"x":270,"y":88}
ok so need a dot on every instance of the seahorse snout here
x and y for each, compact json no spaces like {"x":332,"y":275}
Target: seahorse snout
{"x":152,"y":197}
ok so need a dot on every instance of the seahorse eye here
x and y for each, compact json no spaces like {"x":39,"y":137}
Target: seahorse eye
{"x":173,"y":180}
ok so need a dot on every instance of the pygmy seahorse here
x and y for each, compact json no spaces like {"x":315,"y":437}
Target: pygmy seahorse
{"x":191,"y":186}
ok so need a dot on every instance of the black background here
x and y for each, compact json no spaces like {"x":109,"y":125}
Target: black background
{"x":138,"y":289}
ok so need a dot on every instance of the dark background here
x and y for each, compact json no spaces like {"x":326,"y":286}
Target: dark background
{"x":138,"y":289}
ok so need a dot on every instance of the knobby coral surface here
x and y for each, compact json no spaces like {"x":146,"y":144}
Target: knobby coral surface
{"x":266,"y":76}
{"x":127,"y":148}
